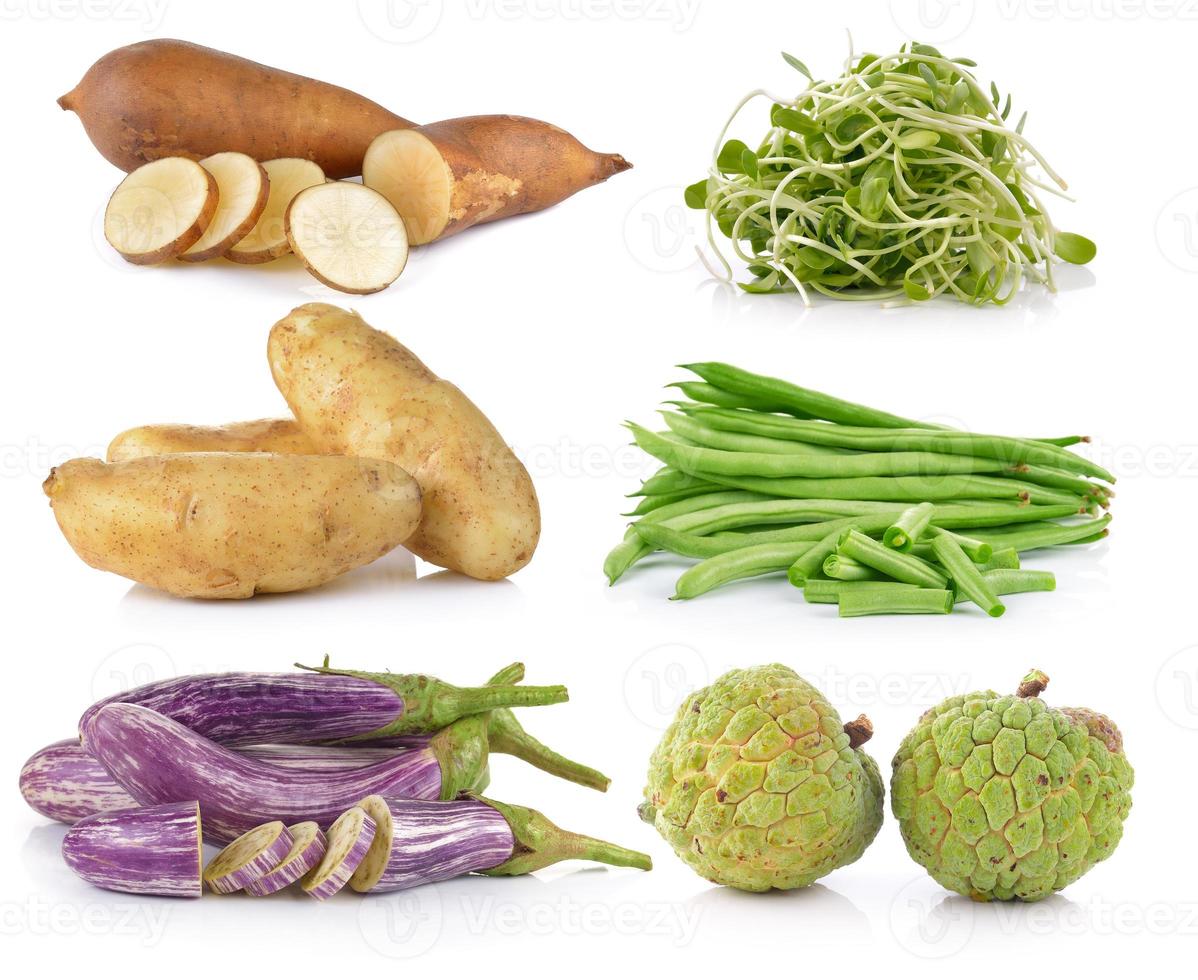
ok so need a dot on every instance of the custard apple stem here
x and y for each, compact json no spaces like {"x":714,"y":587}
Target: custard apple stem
{"x":540,"y":843}
{"x":1033,"y":685}
{"x":859,"y":731}
{"x":430,"y":704}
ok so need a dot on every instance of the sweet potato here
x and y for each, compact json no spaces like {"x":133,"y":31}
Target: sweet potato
{"x":448,"y":176}
{"x":244,"y":189}
{"x":160,"y":210}
{"x":164,"y":97}
{"x":358,"y":391}
{"x":259,"y":436}
{"x":230,"y":525}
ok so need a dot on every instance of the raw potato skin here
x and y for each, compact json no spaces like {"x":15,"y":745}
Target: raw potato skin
{"x":358,"y":391}
{"x":230,"y":525}
{"x":165,"y":97}
{"x":502,"y":166}
{"x":259,"y":436}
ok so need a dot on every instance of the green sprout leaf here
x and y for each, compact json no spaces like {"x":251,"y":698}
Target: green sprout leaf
{"x":1075,"y":249}
{"x":797,"y":65}
{"x":731,"y":157}
{"x":695,"y":195}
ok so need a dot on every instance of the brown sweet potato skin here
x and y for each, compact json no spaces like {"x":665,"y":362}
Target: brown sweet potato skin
{"x":508,"y":165}
{"x":166,"y":97}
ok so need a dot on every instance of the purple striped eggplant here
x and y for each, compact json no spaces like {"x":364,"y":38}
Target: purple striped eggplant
{"x":348,"y":842}
{"x":65,"y":783}
{"x":308,"y":845}
{"x":418,"y":842}
{"x":144,"y":851}
{"x":324,"y":705}
{"x":248,"y":858}
{"x":157,"y":760}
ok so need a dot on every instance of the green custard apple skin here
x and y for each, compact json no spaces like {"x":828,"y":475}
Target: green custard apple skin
{"x":1002,"y":797}
{"x":757,"y":784}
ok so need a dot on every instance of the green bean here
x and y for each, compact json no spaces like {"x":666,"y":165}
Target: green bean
{"x":978,"y":551}
{"x":845,"y":569}
{"x":1044,"y":536}
{"x":632,"y":549}
{"x":667,"y":480}
{"x":1003,"y":559}
{"x":762,"y":511}
{"x":965,"y":575}
{"x":1006,"y":449}
{"x":744,"y":563}
{"x":902,"y":568}
{"x":883,"y":602}
{"x":909,"y":489}
{"x":652,"y":502}
{"x":795,"y":399}
{"x":812,"y":561}
{"x":1048,"y":476}
{"x":909,"y":527}
{"x":1008,"y":581}
{"x":711,"y":438}
{"x":1063,"y":440}
{"x":723,"y":462}
{"x":700,"y":391}
{"x":693,"y":545}
{"x":823,"y":590}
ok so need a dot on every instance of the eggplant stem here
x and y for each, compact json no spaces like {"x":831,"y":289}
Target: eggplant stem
{"x":430,"y":704}
{"x":508,"y":736}
{"x":541,"y":843}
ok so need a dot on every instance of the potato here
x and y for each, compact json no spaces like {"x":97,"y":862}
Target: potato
{"x":259,"y":436}
{"x":358,"y":391}
{"x":163,"y":98}
{"x":230,"y":525}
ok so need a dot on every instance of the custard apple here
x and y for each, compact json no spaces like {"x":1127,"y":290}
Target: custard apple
{"x":1005,"y":798}
{"x":757,"y":783}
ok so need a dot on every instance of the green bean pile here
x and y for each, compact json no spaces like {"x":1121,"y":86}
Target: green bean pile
{"x":874,"y":512}
{"x":899,"y":178}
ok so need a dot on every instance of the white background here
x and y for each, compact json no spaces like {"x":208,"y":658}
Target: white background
{"x":559,"y":326}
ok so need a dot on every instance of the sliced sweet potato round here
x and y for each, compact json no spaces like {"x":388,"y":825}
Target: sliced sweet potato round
{"x":267,"y":240}
{"x":160,"y":210}
{"x":348,"y":236}
{"x":244,"y":188}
